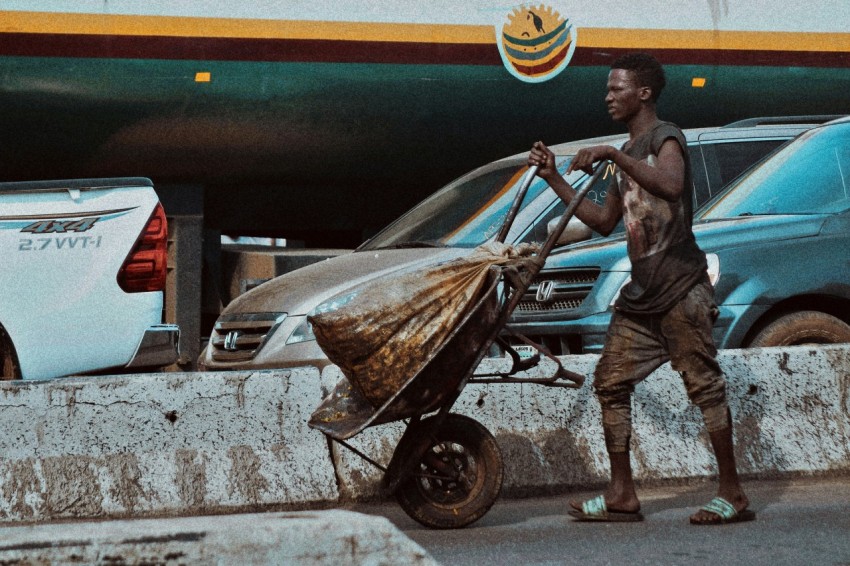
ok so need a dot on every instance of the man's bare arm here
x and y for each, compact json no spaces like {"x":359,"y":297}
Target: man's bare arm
{"x":664,"y":180}
{"x":602,"y":219}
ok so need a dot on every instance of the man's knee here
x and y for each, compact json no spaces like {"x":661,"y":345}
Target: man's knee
{"x":615,"y":400}
{"x":612,"y":394}
{"x":705,"y":389}
{"x":708,"y":392}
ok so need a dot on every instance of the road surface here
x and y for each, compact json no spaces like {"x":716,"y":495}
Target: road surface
{"x":799,"y":522}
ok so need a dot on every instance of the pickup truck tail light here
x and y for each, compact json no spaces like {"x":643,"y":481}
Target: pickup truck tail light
{"x":145,"y":266}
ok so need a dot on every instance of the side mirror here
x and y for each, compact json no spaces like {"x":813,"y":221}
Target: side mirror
{"x":575,"y":231}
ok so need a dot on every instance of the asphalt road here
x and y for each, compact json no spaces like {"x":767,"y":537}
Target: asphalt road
{"x":799,"y":522}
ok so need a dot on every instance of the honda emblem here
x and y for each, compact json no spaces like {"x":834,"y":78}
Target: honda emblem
{"x":230,"y":340}
{"x":544,"y":291}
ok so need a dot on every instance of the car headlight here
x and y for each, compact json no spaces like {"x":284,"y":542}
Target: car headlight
{"x":304,"y":331}
{"x":713,"y":268}
{"x":713,"y":275}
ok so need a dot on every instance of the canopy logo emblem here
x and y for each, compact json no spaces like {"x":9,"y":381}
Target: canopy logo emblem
{"x":536,"y":43}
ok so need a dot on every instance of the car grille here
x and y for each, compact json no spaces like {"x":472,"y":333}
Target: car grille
{"x":558,"y":291}
{"x":239,"y":337}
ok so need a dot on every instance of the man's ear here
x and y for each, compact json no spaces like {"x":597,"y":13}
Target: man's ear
{"x":645,"y":93}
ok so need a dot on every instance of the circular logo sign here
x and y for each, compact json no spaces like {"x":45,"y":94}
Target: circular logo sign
{"x":536,"y":43}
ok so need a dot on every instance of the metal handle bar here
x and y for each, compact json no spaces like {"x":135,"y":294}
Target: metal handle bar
{"x":534,"y":268}
{"x":523,"y":189}
{"x":570,"y":211}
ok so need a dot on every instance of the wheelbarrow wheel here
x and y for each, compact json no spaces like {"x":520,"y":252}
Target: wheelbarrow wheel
{"x":457,"y":479}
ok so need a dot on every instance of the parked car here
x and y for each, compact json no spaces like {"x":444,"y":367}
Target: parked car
{"x":267,"y":327}
{"x":83,"y":278}
{"x":778,"y":242}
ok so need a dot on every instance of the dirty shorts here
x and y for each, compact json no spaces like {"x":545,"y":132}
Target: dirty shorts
{"x":636,"y":345}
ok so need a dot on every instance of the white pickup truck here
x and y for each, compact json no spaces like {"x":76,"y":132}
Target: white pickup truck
{"x":83,"y":278}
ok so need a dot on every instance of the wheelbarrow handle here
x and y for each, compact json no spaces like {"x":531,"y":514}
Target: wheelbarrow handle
{"x":534,"y":267}
{"x":570,"y":211}
{"x":523,"y":189}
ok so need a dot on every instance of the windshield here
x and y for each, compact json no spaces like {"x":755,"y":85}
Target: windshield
{"x":467,"y":212}
{"x":810,"y":175}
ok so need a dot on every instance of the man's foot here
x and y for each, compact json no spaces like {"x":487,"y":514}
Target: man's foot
{"x":721,"y":511}
{"x":619,"y":503}
{"x":596,"y":509}
{"x":612,"y":503}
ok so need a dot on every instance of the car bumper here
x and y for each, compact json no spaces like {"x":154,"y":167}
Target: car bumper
{"x":275,"y":355}
{"x":580,"y":336}
{"x":590,"y":332}
{"x":158,"y":347}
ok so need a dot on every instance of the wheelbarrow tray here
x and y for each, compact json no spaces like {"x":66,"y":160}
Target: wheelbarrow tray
{"x":346,"y":412}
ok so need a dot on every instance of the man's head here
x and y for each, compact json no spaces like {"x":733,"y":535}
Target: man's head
{"x":647,"y":71}
{"x":634,"y":83}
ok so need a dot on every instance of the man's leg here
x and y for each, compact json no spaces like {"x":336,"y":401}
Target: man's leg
{"x":632,"y":351}
{"x":729,"y":484}
{"x":620,"y":495}
{"x":687,"y":328}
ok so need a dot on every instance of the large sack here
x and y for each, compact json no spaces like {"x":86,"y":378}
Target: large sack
{"x":389,"y":331}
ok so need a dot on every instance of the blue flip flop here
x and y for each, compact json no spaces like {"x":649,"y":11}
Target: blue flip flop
{"x":725,"y":512}
{"x":596,"y":510}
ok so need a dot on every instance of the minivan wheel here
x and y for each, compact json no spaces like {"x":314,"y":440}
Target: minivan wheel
{"x":801,"y":328}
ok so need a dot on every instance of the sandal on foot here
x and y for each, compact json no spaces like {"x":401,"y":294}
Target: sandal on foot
{"x":724,"y":513}
{"x":596,"y":510}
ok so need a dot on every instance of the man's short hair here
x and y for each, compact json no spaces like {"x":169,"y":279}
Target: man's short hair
{"x":647,"y":70}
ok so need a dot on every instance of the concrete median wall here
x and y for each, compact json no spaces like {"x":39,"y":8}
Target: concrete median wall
{"x":182,"y":443}
{"x":193,"y":443}
{"x":791,"y":409}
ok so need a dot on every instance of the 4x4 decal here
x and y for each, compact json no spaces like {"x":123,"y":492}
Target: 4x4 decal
{"x":57,"y":226}
{"x":60,"y":223}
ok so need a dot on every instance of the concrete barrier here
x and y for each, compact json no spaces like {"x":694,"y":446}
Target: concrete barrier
{"x":790,"y":408}
{"x":306,"y":538}
{"x":181,"y":443}
{"x":194,"y":443}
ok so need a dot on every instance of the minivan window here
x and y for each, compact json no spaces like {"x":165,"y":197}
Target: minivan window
{"x":810,"y":175}
{"x":466,"y":213}
{"x":538,"y":232}
{"x":720,"y":162}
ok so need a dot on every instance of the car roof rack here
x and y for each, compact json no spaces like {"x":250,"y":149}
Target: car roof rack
{"x":784,"y":120}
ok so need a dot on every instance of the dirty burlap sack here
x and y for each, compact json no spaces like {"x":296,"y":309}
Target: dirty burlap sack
{"x":388,"y":332}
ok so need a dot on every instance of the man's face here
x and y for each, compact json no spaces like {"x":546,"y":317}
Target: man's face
{"x":624,"y":96}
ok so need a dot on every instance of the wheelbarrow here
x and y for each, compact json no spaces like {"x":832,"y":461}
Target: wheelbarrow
{"x":446,"y":470}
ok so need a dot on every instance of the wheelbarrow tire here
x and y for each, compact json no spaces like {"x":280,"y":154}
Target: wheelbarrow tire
{"x":465,"y":487}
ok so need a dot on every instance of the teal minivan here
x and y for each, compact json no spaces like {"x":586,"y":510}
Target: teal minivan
{"x":778,"y":243}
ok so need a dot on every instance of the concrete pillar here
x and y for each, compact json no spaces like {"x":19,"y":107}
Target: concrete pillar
{"x":184,"y":205}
